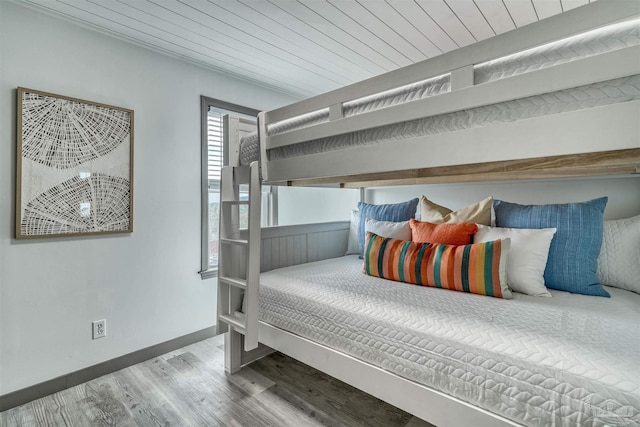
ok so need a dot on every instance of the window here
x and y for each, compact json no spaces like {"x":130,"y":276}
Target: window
{"x":298,"y":205}
{"x":304,"y":205}
{"x":213,"y":112}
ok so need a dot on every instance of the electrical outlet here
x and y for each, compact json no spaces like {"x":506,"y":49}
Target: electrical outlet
{"x":99,"y":329}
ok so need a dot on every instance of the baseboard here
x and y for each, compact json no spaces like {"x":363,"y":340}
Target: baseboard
{"x":25,"y":395}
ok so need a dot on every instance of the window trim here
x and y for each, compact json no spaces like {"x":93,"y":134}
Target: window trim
{"x":205,"y":103}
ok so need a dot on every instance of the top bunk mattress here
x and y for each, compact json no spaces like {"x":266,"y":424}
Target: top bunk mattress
{"x":566,"y":360}
{"x":584,"y":45}
{"x":250,"y":150}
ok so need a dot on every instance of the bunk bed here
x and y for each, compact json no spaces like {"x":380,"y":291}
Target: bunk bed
{"x":557,"y":98}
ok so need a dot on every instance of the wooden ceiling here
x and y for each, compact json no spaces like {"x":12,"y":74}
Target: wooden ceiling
{"x":304,"y":47}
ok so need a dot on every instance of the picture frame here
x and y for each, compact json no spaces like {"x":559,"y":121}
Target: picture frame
{"x":74,"y":166}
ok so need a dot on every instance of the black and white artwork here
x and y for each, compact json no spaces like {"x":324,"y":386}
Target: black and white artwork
{"x":74,"y":166}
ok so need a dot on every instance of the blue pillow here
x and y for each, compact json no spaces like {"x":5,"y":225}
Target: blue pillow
{"x":394,"y":212}
{"x":573,"y":255}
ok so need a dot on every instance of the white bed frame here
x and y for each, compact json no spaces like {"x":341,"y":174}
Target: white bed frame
{"x":593,"y":130}
{"x":601,"y":140}
{"x":300,"y":244}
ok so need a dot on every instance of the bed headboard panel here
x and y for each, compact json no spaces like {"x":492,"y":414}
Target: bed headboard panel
{"x":300,"y":244}
{"x":289,"y":245}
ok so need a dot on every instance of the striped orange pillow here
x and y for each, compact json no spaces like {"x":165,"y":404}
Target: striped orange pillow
{"x":479,"y":268}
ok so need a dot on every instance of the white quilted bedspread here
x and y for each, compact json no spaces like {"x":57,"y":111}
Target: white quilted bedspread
{"x":570,"y":360}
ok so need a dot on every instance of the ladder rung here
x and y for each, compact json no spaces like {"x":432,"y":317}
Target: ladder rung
{"x":234,"y":241}
{"x":236,"y":202}
{"x":237,"y":324}
{"x":238,"y":283}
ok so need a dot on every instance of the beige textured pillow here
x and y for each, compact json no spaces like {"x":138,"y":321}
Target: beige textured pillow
{"x":480,"y":212}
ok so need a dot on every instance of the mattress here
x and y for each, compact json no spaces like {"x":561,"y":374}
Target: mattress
{"x":407,"y":93}
{"x":592,"y":43}
{"x":565,"y":361}
{"x":250,"y":150}
{"x":589,"y":96}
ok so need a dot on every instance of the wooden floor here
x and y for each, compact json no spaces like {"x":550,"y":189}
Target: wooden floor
{"x":188,"y":387}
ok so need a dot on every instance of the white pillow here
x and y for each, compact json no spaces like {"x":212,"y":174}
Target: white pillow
{"x":352,"y":246}
{"x":619,"y":260}
{"x":393,"y":230}
{"x":527,"y":257}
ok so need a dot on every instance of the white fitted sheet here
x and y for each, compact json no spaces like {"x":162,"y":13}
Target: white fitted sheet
{"x":567,"y":360}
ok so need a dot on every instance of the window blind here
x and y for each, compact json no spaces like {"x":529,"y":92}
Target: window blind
{"x":214,"y":138}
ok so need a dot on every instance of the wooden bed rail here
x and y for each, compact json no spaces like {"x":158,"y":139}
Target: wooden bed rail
{"x":575,"y":21}
{"x":614,"y":162}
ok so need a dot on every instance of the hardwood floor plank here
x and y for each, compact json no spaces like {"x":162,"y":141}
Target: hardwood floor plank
{"x":232,"y":397}
{"x":417,"y":422}
{"x":186,"y":401}
{"x":294,"y":408}
{"x":163,"y":404}
{"x":64,"y":409}
{"x":251,"y":381}
{"x":348,"y":404}
{"x":211,"y":352}
{"x":101,"y":406}
{"x":162,"y":416}
{"x":73,"y":394}
{"x":203,"y":390}
{"x":46,"y":412}
{"x":189,"y":387}
{"x":20,"y":416}
{"x":146,"y":407}
{"x":222,"y":401}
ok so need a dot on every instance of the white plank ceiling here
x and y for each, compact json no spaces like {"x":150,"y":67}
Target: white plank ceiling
{"x":304,"y":47}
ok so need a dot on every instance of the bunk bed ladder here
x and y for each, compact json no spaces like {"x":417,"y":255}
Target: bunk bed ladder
{"x":239,"y":254}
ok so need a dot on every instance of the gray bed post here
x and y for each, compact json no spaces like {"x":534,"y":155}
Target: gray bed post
{"x":231,"y":157}
{"x":232,"y":351}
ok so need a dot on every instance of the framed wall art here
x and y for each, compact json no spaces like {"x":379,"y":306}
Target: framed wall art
{"x":74,"y":167}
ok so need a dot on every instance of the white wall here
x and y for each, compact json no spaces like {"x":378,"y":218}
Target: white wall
{"x":146,"y":283}
{"x":306,"y":205}
{"x":623,"y":193}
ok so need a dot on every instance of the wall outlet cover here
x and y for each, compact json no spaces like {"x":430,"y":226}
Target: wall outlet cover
{"x":99,"y":329}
